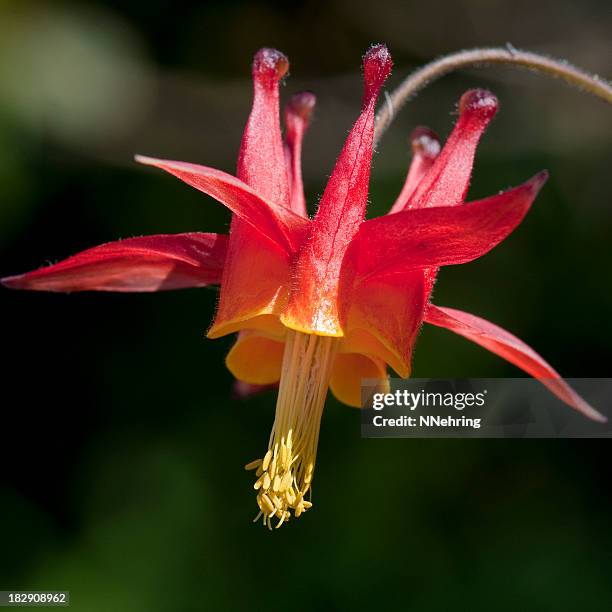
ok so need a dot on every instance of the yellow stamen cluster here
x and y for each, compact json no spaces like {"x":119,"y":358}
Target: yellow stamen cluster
{"x":284,"y":475}
{"x":278,"y":491}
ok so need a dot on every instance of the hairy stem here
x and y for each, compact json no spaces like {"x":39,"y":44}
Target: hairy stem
{"x":416,"y":81}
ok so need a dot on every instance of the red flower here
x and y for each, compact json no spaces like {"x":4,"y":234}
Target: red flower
{"x":332,"y":300}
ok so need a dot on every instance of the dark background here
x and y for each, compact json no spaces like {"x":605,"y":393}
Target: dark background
{"x":122,"y":451}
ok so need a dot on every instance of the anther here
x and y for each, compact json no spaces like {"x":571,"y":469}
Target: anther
{"x":268,"y":506}
{"x":266,"y":460}
{"x":253,"y":464}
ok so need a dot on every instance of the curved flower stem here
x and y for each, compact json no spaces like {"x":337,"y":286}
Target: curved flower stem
{"x":479,"y":57}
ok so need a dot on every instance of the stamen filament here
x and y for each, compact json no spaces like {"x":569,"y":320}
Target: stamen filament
{"x":284,"y":475}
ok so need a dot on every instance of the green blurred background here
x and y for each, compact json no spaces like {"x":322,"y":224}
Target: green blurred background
{"x":122,"y":450}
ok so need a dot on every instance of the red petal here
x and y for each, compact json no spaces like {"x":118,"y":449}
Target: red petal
{"x":149,"y":263}
{"x":256,"y":275}
{"x":448,"y":179}
{"x":313,"y":303}
{"x":425,"y":149}
{"x":278,"y":223}
{"x":255,"y":285}
{"x":297,"y":116}
{"x":261,"y":163}
{"x":504,"y":344}
{"x":382,"y":316}
{"x":444,"y":235}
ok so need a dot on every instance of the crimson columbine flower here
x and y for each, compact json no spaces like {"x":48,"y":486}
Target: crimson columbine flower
{"x":322,"y":302}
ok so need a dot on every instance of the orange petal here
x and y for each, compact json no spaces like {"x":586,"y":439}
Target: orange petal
{"x":256,"y":275}
{"x":255,"y":284}
{"x":349,"y":370}
{"x":313,"y":305}
{"x":383,"y":316}
{"x":256,"y":359}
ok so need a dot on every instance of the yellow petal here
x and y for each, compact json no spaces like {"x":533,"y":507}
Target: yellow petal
{"x":255,"y":359}
{"x":349,"y":370}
